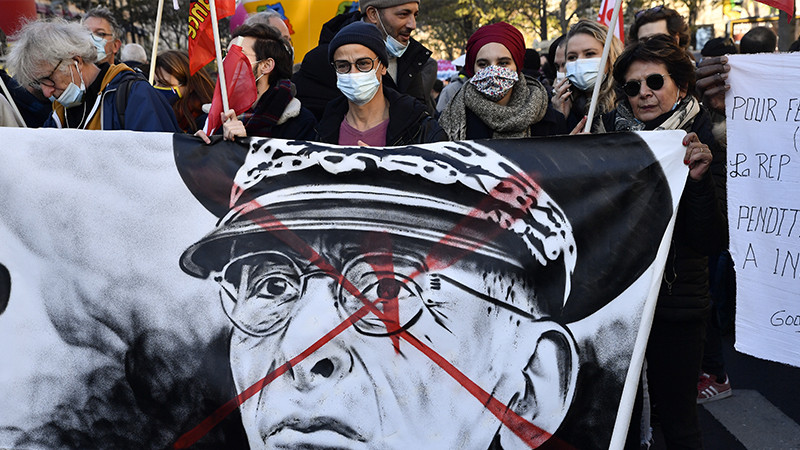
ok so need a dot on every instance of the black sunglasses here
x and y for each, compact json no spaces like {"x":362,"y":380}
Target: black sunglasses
{"x":654,"y":9}
{"x":654,"y":82}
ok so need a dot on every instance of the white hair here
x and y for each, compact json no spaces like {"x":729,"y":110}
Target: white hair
{"x":263,"y":17}
{"x":133,"y":52}
{"x":47,"y":42}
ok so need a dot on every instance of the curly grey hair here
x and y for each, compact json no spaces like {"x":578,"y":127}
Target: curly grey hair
{"x":104,"y":13}
{"x":40,"y":45}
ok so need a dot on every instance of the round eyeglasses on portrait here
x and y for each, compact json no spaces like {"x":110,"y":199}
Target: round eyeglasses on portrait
{"x":654,"y":81}
{"x":261,"y":290}
{"x":362,"y":64}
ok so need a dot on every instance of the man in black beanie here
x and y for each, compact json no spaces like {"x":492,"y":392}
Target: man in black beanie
{"x":370,"y":112}
{"x":411,"y":69}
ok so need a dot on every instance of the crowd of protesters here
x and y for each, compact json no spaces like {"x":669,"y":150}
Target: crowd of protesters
{"x":369,"y":83}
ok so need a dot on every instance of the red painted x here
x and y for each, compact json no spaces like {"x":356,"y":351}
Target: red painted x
{"x":441,"y":256}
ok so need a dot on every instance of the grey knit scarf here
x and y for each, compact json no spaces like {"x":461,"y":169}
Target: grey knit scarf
{"x":683,"y":115}
{"x":527,"y":106}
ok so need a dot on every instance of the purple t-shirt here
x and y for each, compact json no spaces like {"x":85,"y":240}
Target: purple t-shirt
{"x":374,"y":137}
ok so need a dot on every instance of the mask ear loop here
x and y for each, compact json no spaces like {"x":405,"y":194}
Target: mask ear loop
{"x":381,"y":22}
{"x":677,"y":101}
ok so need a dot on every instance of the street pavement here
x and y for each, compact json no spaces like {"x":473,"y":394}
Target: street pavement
{"x":762,"y":414}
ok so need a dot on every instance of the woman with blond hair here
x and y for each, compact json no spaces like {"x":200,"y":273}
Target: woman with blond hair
{"x":584,"y":47}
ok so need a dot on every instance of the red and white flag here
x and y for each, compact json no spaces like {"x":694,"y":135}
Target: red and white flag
{"x":604,"y":17}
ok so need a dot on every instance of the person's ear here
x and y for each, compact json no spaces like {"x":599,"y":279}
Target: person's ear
{"x":372,"y":15}
{"x":550,"y":378}
{"x":267,"y":66}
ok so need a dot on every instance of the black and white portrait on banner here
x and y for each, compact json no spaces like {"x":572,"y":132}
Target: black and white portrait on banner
{"x":279,"y":294}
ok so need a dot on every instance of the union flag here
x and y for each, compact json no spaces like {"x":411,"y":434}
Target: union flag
{"x":201,"y":36}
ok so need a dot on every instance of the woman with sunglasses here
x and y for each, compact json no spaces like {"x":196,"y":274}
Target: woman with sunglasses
{"x":369,"y":113}
{"x":658,"y":80}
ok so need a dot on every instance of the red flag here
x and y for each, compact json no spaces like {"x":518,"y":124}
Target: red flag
{"x":786,"y":6}
{"x":201,"y":36}
{"x":241,"y":86}
{"x":604,"y":17}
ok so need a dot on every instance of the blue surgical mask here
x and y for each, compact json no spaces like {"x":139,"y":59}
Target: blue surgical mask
{"x":393,"y":46}
{"x":358,"y":87}
{"x":677,"y":102}
{"x":72,"y":95}
{"x":582,"y":73}
{"x":100,"y":45}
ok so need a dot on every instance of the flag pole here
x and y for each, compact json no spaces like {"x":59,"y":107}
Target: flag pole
{"x":220,"y":67}
{"x":601,"y":70}
{"x":156,"y":33}
{"x":11,"y":102}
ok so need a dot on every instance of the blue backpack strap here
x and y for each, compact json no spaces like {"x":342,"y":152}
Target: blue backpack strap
{"x":124,"y":91}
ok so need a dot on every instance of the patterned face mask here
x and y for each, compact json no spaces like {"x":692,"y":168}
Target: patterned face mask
{"x":494,"y":81}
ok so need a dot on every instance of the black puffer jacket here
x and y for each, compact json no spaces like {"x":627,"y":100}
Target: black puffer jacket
{"x":700,"y":231}
{"x":316,"y":79}
{"x":409,"y":121}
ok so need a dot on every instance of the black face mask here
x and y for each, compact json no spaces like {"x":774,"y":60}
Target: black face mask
{"x":170,"y":93}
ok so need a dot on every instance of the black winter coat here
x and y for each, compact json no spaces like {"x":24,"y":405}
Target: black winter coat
{"x":700,"y":231}
{"x":409,"y":121}
{"x":316,"y":79}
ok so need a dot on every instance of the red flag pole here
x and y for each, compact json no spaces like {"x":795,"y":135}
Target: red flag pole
{"x":220,"y":68}
{"x":602,"y":68}
{"x":156,"y":34}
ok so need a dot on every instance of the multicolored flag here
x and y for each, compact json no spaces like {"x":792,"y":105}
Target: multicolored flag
{"x":201,"y":36}
{"x":604,"y":17}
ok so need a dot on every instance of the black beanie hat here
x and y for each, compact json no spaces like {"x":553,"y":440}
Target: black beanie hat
{"x":362,"y":33}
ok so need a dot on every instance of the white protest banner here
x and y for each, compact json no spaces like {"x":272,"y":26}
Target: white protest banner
{"x":763,"y":120}
{"x":157,"y":292}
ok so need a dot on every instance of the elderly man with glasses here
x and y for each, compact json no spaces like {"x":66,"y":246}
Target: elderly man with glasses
{"x":104,"y":33}
{"x":387,"y":299}
{"x":60,"y":59}
{"x":370,"y":113}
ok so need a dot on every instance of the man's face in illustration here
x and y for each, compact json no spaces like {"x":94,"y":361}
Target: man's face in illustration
{"x":378,"y":380}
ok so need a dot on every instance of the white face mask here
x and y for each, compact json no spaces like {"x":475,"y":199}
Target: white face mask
{"x":582,"y":73}
{"x":358,"y":87}
{"x":72,"y":95}
{"x":560,"y":76}
{"x":100,"y":45}
{"x":393,"y":46}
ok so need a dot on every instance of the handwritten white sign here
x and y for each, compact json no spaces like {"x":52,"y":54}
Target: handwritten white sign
{"x":763,"y":120}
